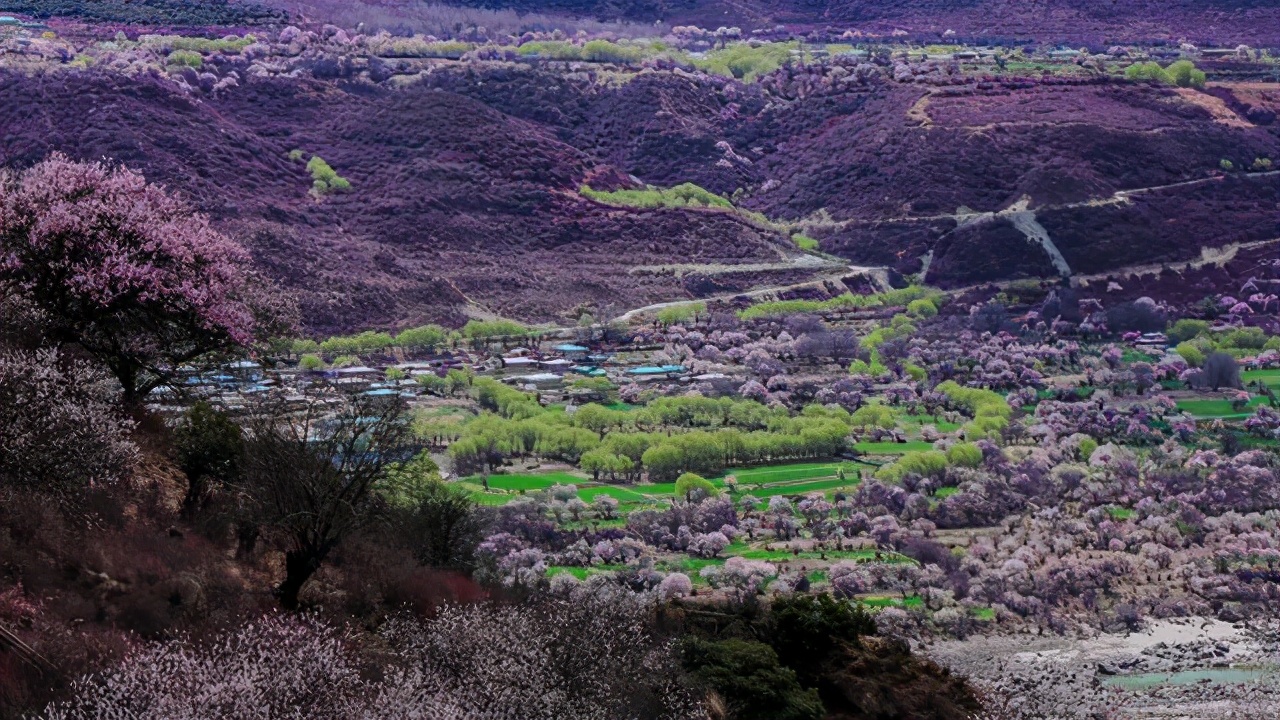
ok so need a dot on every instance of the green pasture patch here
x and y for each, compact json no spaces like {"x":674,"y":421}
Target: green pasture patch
{"x":783,"y":472}
{"x":941,"y":425}
{"x":491,"y":499}
{"x":883,"y":601}
{"x":529,"y":481}
{"x":690,"y":566}
{"x":623,"y":407}
{"x":802,"y":488}
{"x":1219,"y":409}
{"x":1270,"y":377}
{"x":659,"y":489}
{"x":1119,"y":513}
{"x":621,"y":494}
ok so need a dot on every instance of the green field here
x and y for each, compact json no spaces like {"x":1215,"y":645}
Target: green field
{"x":1213,"y":409}
{"x":882,"y":601}
{"x":621,"y":494}
{"x":802,"y":488}
{"x":892,"y":448}
{"x":491,"y":499}
{"x":540,"y":481}
{"x":784,"y":473}
{"x":623,"y":407}
{"x":1270,"y":377}
{"x":941,"y":425}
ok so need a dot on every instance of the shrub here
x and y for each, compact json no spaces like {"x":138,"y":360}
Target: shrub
{"x":747,"y":61}
{"x":922,"y":308}
{"x":186,"y":58}
{"x":1149,"y":71}
{"x":684,"y":195}
{"x":806,"y":629}
{"x":311,"y":363}
{"x":847,"y":301}
{"x":681,"y":313}
{"x":438,"y":520}
{"x":927,"y":463}
{"x":1184,"y":73}
{"x":1186,"y":329}
{"x":324,"y":178}
{"x":426,"y":336}
{"x":1249,"y":338}
{"x":804,"y":242}
{"x":692,"y":486}
{"x":1190,"y":353}
{"x":964,"y":454}
{"x":753,"y":682}
{"x":230,"y":44}
{"x":551,"y":50}
{"x":208,"y":447}
{"x":605,"y":51}
{"x":302,"y":346}
{"x":486,"y":329}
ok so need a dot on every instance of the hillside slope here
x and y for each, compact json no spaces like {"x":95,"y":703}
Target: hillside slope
{"x":451,"y":199}
{"x":465,"y":177}
{"x":1223,"y":22}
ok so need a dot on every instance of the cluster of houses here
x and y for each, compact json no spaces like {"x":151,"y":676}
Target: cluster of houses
{"x":549,"y":371}
{"x":567,"y":362}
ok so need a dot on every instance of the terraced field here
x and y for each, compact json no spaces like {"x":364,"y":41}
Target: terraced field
{"x":762,"y":482}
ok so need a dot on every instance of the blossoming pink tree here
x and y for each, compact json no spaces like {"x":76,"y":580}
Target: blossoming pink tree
{"x":122,"y":269}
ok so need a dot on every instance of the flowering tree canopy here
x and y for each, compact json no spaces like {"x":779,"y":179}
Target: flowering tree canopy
{"x":121,"y":268}
{"x":58,"y":428}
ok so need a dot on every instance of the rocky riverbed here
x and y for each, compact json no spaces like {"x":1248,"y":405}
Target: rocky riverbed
{"x":1188,"y":668}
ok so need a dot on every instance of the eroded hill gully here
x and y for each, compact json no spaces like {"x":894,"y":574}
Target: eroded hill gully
{"x":1022,"y":217}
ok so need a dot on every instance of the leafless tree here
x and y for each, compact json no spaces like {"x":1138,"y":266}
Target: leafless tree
{"x":309,"y":477}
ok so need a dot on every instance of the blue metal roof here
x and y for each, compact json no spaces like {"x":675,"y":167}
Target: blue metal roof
{"x":656,"y":370}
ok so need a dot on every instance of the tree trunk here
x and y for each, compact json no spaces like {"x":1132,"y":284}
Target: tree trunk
{"x":246,"y":539}
{"x":299,"y":566}
{"x":195,"y":499}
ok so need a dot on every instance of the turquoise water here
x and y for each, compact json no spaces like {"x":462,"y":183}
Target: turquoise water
{"x":1186,"y":677}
